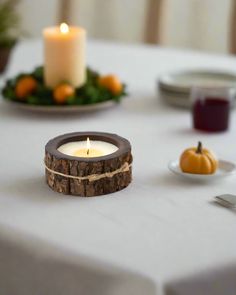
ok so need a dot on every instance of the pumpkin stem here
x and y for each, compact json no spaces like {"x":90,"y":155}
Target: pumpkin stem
{"x":199,"y":148}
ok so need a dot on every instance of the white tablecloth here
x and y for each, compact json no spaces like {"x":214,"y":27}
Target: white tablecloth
{"x":161,"y":235}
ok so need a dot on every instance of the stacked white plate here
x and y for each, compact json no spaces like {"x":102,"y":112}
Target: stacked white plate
{"x":175,"y":87}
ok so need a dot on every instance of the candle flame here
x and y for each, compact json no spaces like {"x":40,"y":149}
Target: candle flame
{"x":64,"y":28}
{"x":88,"y":145}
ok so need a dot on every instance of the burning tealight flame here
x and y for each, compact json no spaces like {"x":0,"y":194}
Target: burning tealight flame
{"x":64,"y":28}
{"x":88,"y":145}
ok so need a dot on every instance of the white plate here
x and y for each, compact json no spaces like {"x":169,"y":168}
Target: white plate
{"x":183,"y":81}
{"x":61,"y":109}
{"x":179,"y":98}
{"x":225,"y":169}
{"x":175,"y":99}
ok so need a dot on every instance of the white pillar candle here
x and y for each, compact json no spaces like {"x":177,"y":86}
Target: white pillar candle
{"x":64,"y":55}
{"x":87,"y":148}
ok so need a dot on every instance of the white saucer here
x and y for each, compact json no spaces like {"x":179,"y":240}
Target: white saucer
{"x":225,"y":169}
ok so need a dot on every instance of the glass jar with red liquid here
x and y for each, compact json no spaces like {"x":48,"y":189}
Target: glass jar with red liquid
{"x":211,"y":108}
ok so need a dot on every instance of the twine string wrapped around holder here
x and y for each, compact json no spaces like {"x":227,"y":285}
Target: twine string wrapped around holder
{"x":93,"y":177}
{"x":88,"y":176}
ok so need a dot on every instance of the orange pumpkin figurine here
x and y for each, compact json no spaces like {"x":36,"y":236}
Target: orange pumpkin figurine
{"x":25,"y":86}
{"x":62,"y":92}
{"x":198,"y":160}
{"x":112,"y":83}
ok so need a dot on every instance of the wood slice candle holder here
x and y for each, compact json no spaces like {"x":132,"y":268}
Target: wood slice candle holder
{"x":87,"y":177}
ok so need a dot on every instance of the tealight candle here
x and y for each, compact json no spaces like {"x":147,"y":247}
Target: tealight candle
{"x":88,"y":148}
{"x":64,"y":55}
{"x":88,"y":163}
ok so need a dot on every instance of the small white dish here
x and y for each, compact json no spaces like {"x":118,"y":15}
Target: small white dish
{"x":225,"y":169}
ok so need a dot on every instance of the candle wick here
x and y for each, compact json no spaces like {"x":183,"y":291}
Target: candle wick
{"x":87,"y":152}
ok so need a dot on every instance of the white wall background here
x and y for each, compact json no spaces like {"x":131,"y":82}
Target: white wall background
{"x":200,"y":24}
{"x":36,"y":14}
{"x":111,"y":19}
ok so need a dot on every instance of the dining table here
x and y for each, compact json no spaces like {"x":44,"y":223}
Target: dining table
{"x":162,"y":235}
